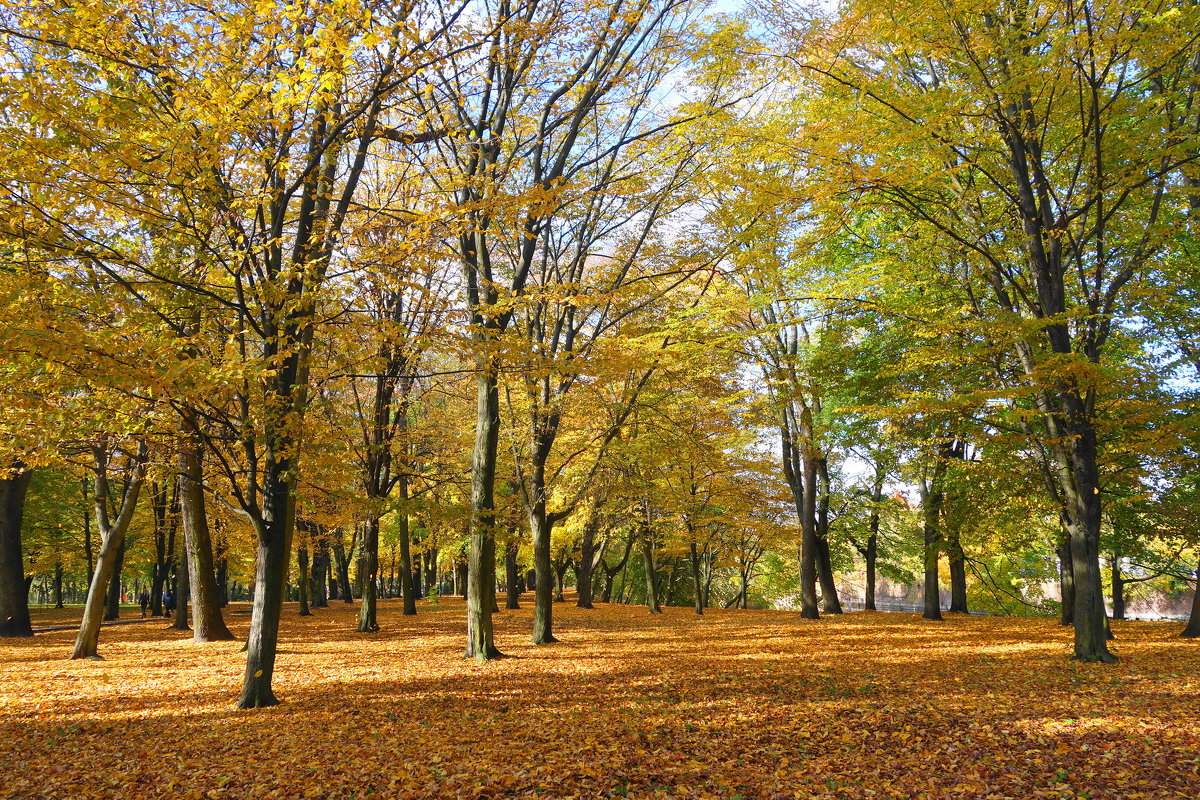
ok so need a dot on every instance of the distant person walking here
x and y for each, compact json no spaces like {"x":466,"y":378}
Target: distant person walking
{"x":144,"y":602}
{"x":168,"y":603}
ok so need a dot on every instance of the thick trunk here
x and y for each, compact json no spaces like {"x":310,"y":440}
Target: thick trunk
{"x":58,"y":586}
{"x":112,"y":537}
{"x":182,"y":592}
{"x":697,"y":587}
{"x":14,"y":600}
{"x":270,"y":577}
{"x":112,"y":601}
{"x":482,"y":557}
{"x":543,"y":590}
{"x":872,"y":552}
{"x":1091,"y":625}
{"x":407,"y":589}
{"x":319,"y":580}
{"x":343,"y":570}
{"x":931,"y":508}
{"x":872,"y":557}
{"x":367,"y":613}
{"x":512,"y":576}
{"x":1192,"y":630}
{"x":648,"y":563}
{"x":1118,"y":587}
{"x":207,"y":625}
{"x":830,"y":603}
{"x":958,"y":575}
{"x":431,"y":576}
{"x":585,"y":567}
{"x":303,"y":585}
{"x":1066,"y":578}
{"x":743,"y":598}
{"x":560,"y":577}
{"x":808,"y":543}
{"x":87,"y":533}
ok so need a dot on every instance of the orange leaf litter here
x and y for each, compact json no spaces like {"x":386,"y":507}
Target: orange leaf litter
{"x":749,"y":704}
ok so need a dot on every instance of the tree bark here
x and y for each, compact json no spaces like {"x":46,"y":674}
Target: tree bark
{"x":958,"y":575}
{"x":648,"y":563}
{"x":112,"y":536}
{"x":112,"y":601}
{"x":482,"y":556}
{"x":697,"y":588}
{"x":407,"y":589}
{"x":274,"y":529}
{"x":343,"y":569}
{"x":182,"y":593}
{"x":1066,"y":578}
{"x":543,"y":589}
{"x":1192,"y":631}
{"x":1091,"y":623}
{"x":208,"y":625}
{"x":872,"y":552}
{"x":931,"y":507}
{"x":808,"y":542}
{"x":367,"y":613}
{"x":830,"y":603}
{"x":14,"y":599}
{"x":304,"y":583}
{"x":1118,"y":587}
{"x":512,"y":576}
{"x":800,"y":474}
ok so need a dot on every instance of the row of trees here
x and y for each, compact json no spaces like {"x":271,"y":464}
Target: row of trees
{"x":596,"y":278}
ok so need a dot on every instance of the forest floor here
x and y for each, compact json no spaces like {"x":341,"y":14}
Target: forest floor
{"x":734,"y":704}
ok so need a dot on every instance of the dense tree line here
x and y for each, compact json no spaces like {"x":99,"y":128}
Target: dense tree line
{"x":337,"y":301}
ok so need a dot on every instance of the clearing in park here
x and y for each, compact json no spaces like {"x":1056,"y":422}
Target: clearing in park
{"x":749,"y":704}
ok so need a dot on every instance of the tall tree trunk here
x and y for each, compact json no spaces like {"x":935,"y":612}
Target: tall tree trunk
{"x":208,"y":625}
{"x":830,"y":603}
{"x":958,"y":574}
{"x":343,"y":569}
{"x":431,"y":570}
{"x":560,"y":577}
{"x":1066,"y":577}
{"x":697,"y":588}
{"x":808,"y":543}
{"x":1091,"y":623}
{"x":407,"y":588}
{"x":512,"y":576}
{"x":112,"y":536}
{"x":800,"y":474}
{"x":648,"y":562}
{"x":58,"y":585}
{"x":1192,"y":631}
{"x":482,"y":557}
{"x":1118,"y":587}
{"x":872,"y":556}
{"x":303,"y":584}
{"x":543,"y":588}
{"x":274,"y":529}
{"x":183,"y":592}
{"x":931,"y":508}
{"x":14,"y":599}
{"x":87,"y":531}
{"x":585,"y":567}
{"x":872,"y":551}
{"x":112,"y":602}
{"x":367,"y":613}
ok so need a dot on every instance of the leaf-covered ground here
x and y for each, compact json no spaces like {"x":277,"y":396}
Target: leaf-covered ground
{"x":746,"y":704}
